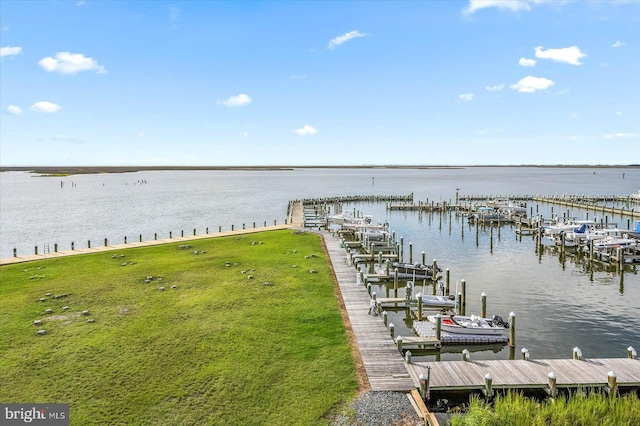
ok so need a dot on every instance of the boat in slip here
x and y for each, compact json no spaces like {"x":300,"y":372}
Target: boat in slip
{"x":411,"y":270}
{"x":441,"y":302}
{"x":473,"y":324}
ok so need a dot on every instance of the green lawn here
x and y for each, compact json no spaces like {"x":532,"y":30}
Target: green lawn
{"x":220,"y":348}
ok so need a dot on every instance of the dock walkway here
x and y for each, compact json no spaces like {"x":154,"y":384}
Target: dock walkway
{"x":532,"y":374}
{"x":382,"y":361}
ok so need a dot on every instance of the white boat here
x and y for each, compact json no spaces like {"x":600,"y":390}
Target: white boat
{"x":473,"y":324}
{"x":435,"y":301}
{"x":579,"y":226}
{"x":507,"y":206}
{"x":613,"y":242}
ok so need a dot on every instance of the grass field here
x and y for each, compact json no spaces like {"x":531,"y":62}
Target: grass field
{"x":251,"y":334}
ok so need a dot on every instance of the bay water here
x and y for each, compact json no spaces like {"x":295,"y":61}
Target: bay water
{"x":561,"y":302}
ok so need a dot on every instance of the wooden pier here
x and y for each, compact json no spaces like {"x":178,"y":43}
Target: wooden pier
{"x":469,"y":376}
{"x":384,"y":364}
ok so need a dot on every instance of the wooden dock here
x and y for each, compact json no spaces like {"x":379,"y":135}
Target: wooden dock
{"x":532,"y":374}
{"x":382,"y":361}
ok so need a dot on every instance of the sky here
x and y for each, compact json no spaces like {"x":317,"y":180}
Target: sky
{"x":338,"y":83}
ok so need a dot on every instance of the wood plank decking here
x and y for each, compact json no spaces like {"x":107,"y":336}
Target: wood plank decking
{"x":532,"y":374}
{"x":383,"y":362}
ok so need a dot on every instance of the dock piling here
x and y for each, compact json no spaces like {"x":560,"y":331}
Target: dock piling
{"x":525,"y":354}
{"x":438,"y":326}
{"x":612,"y":380}
{"x":483,"y":310}
{"x":466,"y":355}
{"x":488,"y":390}
{"x":392,"y":329}
{"x":553,"y":389}
{"x":419,"y":298}
{"x":631,"y":352}
{"x":512,"y":329}
{"x":577,"y":353}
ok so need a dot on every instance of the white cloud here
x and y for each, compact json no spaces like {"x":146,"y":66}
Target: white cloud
{"x":570,"y":55}
{"x":618,"y":43}
{"x":9,"y":51}
{"x":70,"y":63}
{"x":344,"y":38}
{"x":524,"y":62}
{"x":45,"y":106}
{"x":620,"y":135}
{"x":495,"y":88}
{"x":467,"y":97}
{"x":236,"y":101}
{"x":530,"y":84}
{"x":306,"y":130}
{"x":14,"y":110}
{"x":65,"y":138}
{"x":513,"y":5}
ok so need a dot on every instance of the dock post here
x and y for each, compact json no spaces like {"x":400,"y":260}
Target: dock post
{"x":438,"y":326}
{"x":434,"y":270}
{"x":631,"y":352}
{"x":385,"y":317}
{"x":15,"y":252}
{"x":620,"y":256}
{"x":401,"y":250}
{"x":407,"y":357}
{"x":591,"y":250}
{"x":220,"y":228}
{"x":395,"y":282}
{"x":466,"y":355}
{"x":140,"y":238}
{"x":447,"y":281}
{"x":105,"y":242}
{"x":577,"y":353}
{"x":463,"y":301}
{"x":388,"y":266}
{"x":459,"y":303}
{"x":424,"y":384}
{"x":419,"y":298}
{"x":612,"y":380}
{"x":88,"y":243}
{"x":491,"y":235}
{"x":380,"y":258}
{"x":553,"y":389}
{"x":410,"y":252}
{"x":206,"y":230}
{"x":399,"y":343}
{"x":408,"y":291}
{"x":392,"y":329}
{"x":36,"y":249}
{"x":369,"y":288}
{"x":525,"y":354}
{"x":488,"y":390}
{"x":170,"y":234}
{"x":483,"y":310}
{"x":155,"y":236}
{"x":424,"y":257}
{"x":232,"y":227}
{"x":512,"y":329}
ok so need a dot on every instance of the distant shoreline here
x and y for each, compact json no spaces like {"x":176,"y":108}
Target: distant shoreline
{"x":76,"y":170}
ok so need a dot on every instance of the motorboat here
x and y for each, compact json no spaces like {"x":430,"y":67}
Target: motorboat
{"x":416,"y":269}
{"x":435,"y":301}
{"x":472,"y":324}
{"x":579,"y":226}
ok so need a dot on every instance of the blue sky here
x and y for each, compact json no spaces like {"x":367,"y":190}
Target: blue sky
{"x":319,"y":83}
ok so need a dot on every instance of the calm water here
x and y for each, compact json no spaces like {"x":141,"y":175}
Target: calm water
{"x":560,"y":303}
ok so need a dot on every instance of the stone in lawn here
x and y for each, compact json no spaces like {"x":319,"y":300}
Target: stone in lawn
{"x":37,"y":322}
{"x":48,"y":311}
{"x":161,"y":288}
{"x":85,"y":313}
{"x":42,"y":332}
